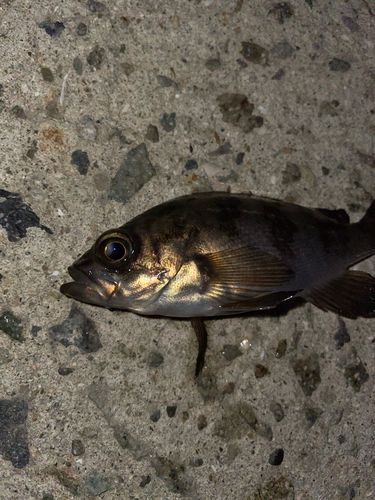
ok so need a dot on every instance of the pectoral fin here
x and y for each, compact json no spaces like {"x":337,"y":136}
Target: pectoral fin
{"x":350,"y":295}
{"x":242,"y":274}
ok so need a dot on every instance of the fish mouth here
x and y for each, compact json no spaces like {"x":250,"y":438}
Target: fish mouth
{"x":86,"y":288}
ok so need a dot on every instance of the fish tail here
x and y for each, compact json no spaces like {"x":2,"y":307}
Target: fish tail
{"x":352,"y":294}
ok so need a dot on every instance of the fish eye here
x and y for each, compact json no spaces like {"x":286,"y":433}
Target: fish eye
{"x":115,"y":250}
{"x":113,"y":247}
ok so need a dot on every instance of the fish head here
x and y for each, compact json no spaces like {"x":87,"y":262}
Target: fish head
{"x":121,"y":271}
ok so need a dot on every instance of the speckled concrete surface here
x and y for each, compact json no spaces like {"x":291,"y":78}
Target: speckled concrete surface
{"x":100,"y":403}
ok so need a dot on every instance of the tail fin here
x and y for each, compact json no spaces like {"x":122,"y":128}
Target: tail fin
{"x":350,"y":295}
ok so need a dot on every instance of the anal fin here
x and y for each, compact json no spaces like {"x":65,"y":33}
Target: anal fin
{"x":351,"y":295}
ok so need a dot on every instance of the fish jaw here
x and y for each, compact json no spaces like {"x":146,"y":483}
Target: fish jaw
{"x":90,"y":289}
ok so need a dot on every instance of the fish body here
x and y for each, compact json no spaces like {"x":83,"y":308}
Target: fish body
{"x":214,"y":254}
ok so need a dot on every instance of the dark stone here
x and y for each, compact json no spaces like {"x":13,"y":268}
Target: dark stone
{"x":155,"y":359}
{"x":128,"y":68}
{"x":52,"y":110}
{"x":96,"y":484}
{"x":152,"y":134}
{"x":35,"y":329}
{"x":145,"y":481}
{"x":350,"y":23}
{"x":185,"y":416}
{"x":231,"y":352}
{"x":307,"y":371}
{"x":77,"y":330}
{"x":202,"y":422}
{"x":78,"y":448}
{"x":213,"y":64}
{"x":325,"y":170}
{"x":171,"y":411}
{"x":339,"y":65}
{"x":282,"y":12}
{"x":327,"y":109}
{"x":32,"y":151}
{"x":239,"y":158}
{"x":279,"y":74}
{"x":281,"y":348}
{"x":195,"y":462}
{"x":241,"y":63}
{"x":367,"y":160}
{"x":64,"y":370}
{"x":78,"y":66}
{"x":18,"y":112}
{"x":277,"y":488}
{"x":53,"y":30}
{"x":254,"y":53}
{"x":191,"y":165}
{"x":342,"y":335}
{"x":292,"y":173}
{"x":81,"y":29}
{"x":95,"y":58}
{"x":168,"y":121}
{"x":81,"y":160}
{"x":356,"y":374}
{"x":87,"y":129}
{"x":341,"y":439}
{"x":261,"y":371}
{"x":231,"y":177}
{"x":207,"y":387}
{"x":174,"y":474}
{"x":64,"y":479}
{"x":2,"y":92}
{"x":261,"y":428}
{"x":165,"y":82}
{"x":13,"y":432}
{"x":277,"y":411}
{"x":12,"y":326}
{"x":47,"y":74}
{"x":282,"y":50}
{"x":5,"y":356}
{"x":155,"y":417}
{"x":95,"y":6}
{"x":48,"y":496}
{"x":126,"y":351}
{"x":134,"y":172}
{"x":224,"y":149}
{"x":237,"y":110}
{"x":276,"y":457}
{"x":312,"y":415}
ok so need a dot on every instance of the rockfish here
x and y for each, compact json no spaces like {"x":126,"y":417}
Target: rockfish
{"x":215,"y":254}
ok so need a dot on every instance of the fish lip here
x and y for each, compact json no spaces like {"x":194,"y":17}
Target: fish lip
{"x":85,"y":288}
{"x":79,"y":275}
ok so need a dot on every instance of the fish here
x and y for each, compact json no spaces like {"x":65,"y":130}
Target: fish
{"x":217,"y":254}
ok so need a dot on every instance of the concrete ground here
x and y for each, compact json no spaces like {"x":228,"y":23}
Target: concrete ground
{"x":108,"y":108}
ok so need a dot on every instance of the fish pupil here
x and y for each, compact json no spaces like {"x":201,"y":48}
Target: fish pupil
{"x":115,"y":250}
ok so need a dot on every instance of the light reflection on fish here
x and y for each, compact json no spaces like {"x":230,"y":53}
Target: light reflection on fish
{"x":214,"y":254}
